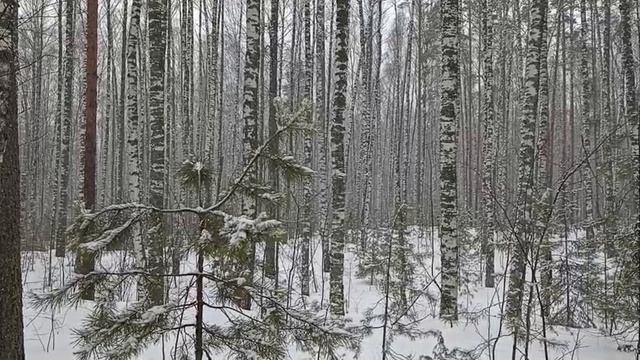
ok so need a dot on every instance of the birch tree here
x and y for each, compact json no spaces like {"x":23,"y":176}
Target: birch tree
{"x":65,"y":130}
{"x":526,"y":160}
{"x":270,"y":265}
{"x":133,"y":134}
{"x":154,"y":255}
{"x":251,"y":116}
{"x":449,"y":116}
{"x":186,"y":40}
{"x":586,"y":122}
{"x":488,"y":144}
{"x":338,"y":170}
{"x":308,"y":151}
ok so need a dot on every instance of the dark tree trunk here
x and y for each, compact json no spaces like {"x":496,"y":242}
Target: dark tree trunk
{"x":11,"y":335}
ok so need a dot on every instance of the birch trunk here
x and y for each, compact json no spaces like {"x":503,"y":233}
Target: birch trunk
{"x":133,"y":136}
{"x":449,"y":118}
{"x":270,"y":265}
{"x":526,"y":161}
{"x":251,"y":117}
{"x":338,"y":171}
{"x":154,"y":256}
{"x":488,"y":145}
{"x":308,"y":152}
{"x":65,"y":131}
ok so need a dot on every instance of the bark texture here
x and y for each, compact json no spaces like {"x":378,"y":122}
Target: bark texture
{"x":11,"y":335}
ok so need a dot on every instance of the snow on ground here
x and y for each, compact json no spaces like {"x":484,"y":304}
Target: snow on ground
{"x":50,"y":335}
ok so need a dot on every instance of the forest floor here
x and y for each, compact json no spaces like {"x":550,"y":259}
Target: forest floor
{"x":50,"y":335}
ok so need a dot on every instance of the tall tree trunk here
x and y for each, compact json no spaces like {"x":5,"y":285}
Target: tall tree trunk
{"x":586,"y":123}
{"x":121,"y":139}
{"x":526,"y":161}
{"x":58,"y":130}
{"x":65,"y":131}
{"x":85,"y":260}
{"x":133,"y":136}
{"x":270,"y":266}
{"x":11,"y":336}
{"x":449,"y":118}
{"x":157,"y":40}
{"x":338,"y":170}
{"x":545,"y":175}
{"x":308,"y":151}
{"x":251,"y":118}
{"x":610,"y":225}
{"x":187,"y":77}
{"x":108,"y":118}
{"x":366,"y":146}
{"x":212,"y":89}
{"x":489,"y":139}
{"x":322,"y":127}
{"x":633,"y":119}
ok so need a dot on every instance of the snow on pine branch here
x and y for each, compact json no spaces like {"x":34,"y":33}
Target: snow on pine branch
{"x":237,"y":228}
{"x":106,"y":238}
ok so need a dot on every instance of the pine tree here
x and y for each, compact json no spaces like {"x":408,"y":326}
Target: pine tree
{"x":11,"y":336}
{"x":338,"y":170}
{"x":85,"y":261}
{"x":449,"y":117}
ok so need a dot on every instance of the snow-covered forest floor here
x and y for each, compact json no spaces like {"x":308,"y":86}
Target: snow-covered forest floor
{"x":51,"y":335}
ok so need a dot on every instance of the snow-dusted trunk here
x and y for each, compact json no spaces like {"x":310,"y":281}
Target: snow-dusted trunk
{"x":11,"y":337}
{"x":633,"y":119}
{"x":65,"y":130}
{"x":365,"y":159}
{"x":58,"y":130}
{"x":186,"y":40}
{"x":609,"y":122}
{"x":338,"y":171}
{"x":308,"y":151}
{"x":120,"y":139}
{"x":321,"y":127}
{"x":133,"y":137}
{"x":108,"y":118}
{"x":545,"y":173}
{"x":157,"y":40}
{"x":270,"y":265}
{"x":586,"y":121}
{"x":212,"y":88}
{"x":250,"y":115}
{"x":489,"y":138}
{"x":84,"y":260}
{"x":449,"y":116}
{"x":526,"y":161}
